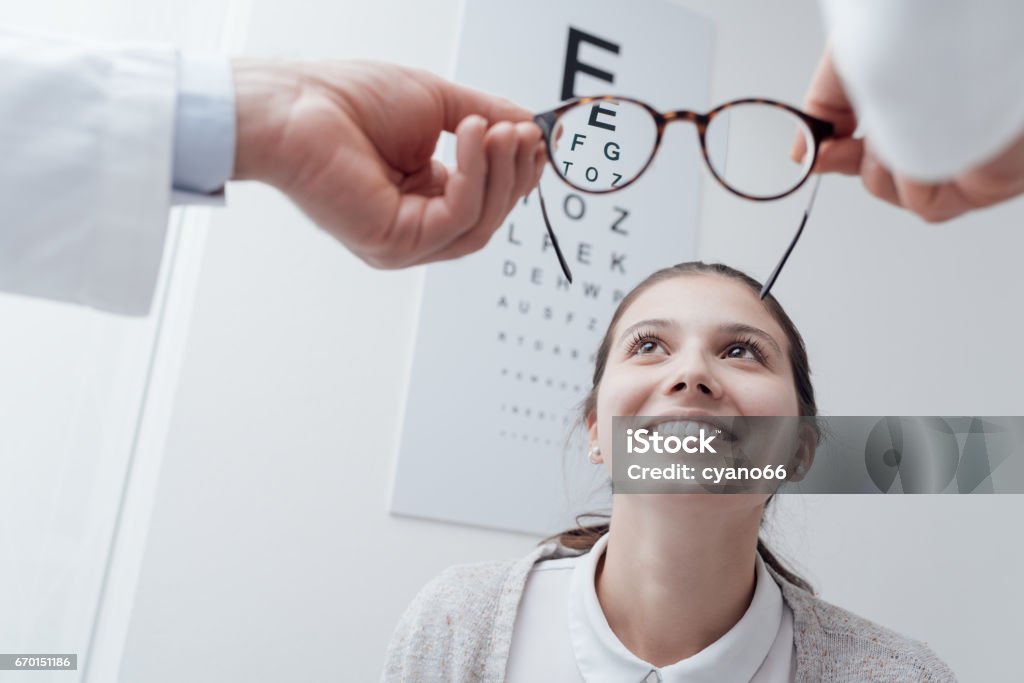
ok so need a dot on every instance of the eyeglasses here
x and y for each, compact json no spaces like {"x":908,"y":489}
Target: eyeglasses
{"x":604,"y":144}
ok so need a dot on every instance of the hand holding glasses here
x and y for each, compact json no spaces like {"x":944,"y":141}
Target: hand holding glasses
{"x":604,"y":144}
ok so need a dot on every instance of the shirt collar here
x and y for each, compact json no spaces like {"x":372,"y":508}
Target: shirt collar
{"x":736,"y":656}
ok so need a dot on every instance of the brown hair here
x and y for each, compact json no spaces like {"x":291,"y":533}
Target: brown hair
{"x":583,"y":537}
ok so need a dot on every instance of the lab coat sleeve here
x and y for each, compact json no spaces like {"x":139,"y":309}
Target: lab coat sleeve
{"x":937,"y":84}
{"x":86,"y":134}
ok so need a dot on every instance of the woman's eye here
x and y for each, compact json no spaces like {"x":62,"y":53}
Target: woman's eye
{"x":646,"y":346}
{"x":740,"y":351}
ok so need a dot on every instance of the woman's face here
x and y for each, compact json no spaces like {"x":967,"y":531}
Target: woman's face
{"x":695,"y":344}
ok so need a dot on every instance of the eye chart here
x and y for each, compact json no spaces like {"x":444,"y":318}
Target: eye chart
{"x":505,"y":346}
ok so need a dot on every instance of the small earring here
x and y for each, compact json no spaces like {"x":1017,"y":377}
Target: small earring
{"x":595,"y":452}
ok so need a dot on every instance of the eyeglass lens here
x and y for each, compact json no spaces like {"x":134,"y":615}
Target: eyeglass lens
{"x":749,"y":146}
{"x":602,"y":146}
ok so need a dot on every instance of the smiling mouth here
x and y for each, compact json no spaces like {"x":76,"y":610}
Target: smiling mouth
{"x":683,"y":427}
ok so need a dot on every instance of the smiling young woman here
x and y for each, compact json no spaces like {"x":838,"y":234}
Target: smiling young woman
{"x":676,"y":587}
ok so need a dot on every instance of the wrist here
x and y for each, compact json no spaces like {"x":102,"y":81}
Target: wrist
{"x":265,"y":92}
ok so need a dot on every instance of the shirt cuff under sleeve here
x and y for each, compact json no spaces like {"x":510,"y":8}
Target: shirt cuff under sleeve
{"x":204,"y":129}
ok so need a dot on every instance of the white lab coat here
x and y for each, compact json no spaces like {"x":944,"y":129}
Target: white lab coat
{"x":938,"y":85}
{"x":86,"y":134}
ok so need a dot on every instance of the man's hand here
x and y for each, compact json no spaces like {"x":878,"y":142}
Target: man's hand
{"x":351,"y":143}
{"x":994,"y":181}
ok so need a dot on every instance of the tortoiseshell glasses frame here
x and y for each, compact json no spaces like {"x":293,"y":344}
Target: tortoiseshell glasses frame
{"x":819,"y":130}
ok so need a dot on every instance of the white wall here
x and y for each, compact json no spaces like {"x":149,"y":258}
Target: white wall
{"x":271,"y":555}
{"x":73,"y":383}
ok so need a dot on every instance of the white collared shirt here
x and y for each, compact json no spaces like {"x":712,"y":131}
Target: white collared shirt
{"x":561,"y":635}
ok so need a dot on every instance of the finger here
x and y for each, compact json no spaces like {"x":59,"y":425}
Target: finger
{"x":540,"y":161}
{"x":429,"y":181}
{"x":932,"y":202}
{"x":528,"y":137}
{"x":461,"y":205}
{"x":501,"y":148}
{"x":840,"y":156}
{"x":501,"y":160}
{"x":877,"y":178}
{"x":460,"y":101}
{"x":826,"y":99}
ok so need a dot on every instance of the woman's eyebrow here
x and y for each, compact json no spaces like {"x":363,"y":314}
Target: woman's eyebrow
{"x":657,"y":323}
{"x":743,"y":328}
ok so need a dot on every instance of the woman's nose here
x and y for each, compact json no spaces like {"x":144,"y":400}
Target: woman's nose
{"x":693,"y":375}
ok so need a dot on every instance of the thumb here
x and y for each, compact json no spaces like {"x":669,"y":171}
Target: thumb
{"x":460,"y":101}
{"x":826,"y":98}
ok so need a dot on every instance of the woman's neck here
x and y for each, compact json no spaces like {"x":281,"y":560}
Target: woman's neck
{"x":675,"y":578}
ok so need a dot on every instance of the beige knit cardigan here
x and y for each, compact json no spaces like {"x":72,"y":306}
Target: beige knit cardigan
{"x":459,"y":628}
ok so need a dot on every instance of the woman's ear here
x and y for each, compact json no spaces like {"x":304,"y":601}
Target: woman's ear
{"x":807,"y":446}
{"x":592,"y":444}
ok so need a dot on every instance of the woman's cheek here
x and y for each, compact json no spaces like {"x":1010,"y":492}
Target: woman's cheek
{"x":768,"y":398}
{"x":610,"y":403}
{"x":626,"y":392}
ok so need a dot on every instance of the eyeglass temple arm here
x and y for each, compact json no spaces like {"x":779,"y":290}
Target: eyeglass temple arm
{"x":799,"y":231}
{"x":546,"y":121}
{"x":551,"y":236}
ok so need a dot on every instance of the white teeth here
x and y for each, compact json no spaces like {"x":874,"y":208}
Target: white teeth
{"x":684,"y":428}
